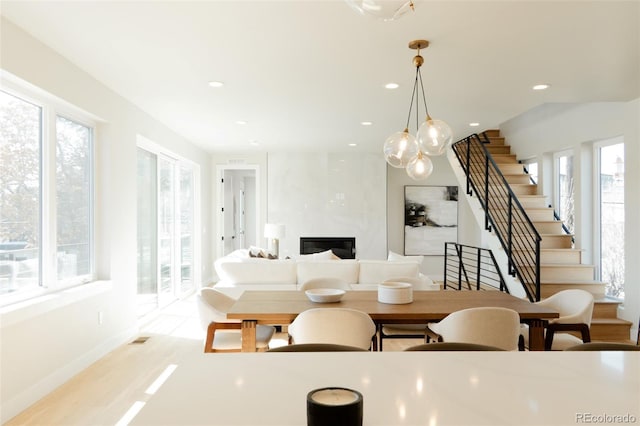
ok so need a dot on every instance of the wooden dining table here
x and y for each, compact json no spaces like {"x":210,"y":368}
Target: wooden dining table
{"x":282,"y":307}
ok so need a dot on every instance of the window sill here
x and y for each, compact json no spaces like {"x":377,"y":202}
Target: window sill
{"x":27,"y":309}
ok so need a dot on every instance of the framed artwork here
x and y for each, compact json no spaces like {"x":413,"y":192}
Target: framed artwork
{"x":430,"y":219}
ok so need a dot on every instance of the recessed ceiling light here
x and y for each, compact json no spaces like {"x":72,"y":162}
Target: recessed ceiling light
{"x":540,"y":87}
{"x":474,"y":124}
{"x":216,"y":84}
{"x":366,"y":123}
{"x":254,"y":142}
{"x":353,"y":144}
{"x":391,"y":86}
{"x":241,"y":122}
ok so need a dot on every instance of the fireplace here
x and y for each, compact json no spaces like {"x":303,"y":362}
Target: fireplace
{"x":343,"y":247}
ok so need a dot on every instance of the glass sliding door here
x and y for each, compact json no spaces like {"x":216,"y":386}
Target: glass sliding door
{"x":147,"y":232}
{"x":187,"y":211}
{"x":166,"y":224}
{"x":166,"y":228}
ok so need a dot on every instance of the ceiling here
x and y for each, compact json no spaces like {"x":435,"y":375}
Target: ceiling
{"x":303,"y":75}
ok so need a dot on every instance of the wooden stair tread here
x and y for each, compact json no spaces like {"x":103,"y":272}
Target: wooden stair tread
{"x":610,"y":321}
{"x":608,"y":300}
{"x":577,"y":282}
{"x":562,"y":265}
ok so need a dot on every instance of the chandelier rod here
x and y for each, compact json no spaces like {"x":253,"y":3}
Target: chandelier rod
{"x":424,"y":98}
{"x":413,"y":95}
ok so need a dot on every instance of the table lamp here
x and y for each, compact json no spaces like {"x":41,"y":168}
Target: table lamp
{"x":273,"y":232}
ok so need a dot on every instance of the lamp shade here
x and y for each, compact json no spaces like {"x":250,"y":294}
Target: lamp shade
{"x":274,"y":230}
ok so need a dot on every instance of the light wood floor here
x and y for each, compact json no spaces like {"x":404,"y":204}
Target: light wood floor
{"x":105,"y":392}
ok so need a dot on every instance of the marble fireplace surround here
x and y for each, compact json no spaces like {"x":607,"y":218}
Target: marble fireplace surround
{"x":329,"y":195}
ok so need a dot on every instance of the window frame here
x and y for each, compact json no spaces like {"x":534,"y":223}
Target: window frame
{"x":557,"y":191}
{"x":51,"y":108}
{"x":597,"y":200}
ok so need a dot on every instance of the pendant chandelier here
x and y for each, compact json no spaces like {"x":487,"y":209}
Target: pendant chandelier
{"x":402,"y":149}
{"x":386,"y":10}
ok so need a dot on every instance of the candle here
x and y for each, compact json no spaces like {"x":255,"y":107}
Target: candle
{"x":334,"y":406}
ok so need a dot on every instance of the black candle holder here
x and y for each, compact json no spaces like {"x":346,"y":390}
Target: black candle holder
{"x":334,"y":406}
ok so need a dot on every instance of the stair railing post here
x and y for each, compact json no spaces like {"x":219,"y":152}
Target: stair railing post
{"x":511,"y":268}
{"x":468,"y":165}
{"x":486,"y":193}
{"x":460,"y":266}
{"x":479,"y":263}
{"x":537,"y":278}
{"x":446,"y":251}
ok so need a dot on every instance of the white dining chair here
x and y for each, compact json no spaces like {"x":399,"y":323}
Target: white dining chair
{"x":340,"y":326}
{"x":406,"y":331}
{"x":224,"y":335}
{"x":491,"y":326}
{"x":575,"y":307}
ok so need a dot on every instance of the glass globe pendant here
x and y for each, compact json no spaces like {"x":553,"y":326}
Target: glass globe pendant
{"x":420,"y":167}
{"x":386,"y":10}
{"x":434,"y":137}
{"x":400,"y":148}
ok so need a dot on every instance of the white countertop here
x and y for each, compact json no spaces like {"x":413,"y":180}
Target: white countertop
{"x":402,"y":388}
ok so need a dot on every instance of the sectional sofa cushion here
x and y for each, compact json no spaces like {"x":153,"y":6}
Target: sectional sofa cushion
{"x":256,"y":270}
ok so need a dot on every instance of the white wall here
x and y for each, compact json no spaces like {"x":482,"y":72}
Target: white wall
{"x":45,"y":344}
{"x":555,"y":127}
{"x":329,"y":195}
{"x":468,"y":231}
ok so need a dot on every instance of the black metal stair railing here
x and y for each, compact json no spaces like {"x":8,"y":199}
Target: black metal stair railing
{"x":474,"y":267}
{"x":504,"y":214}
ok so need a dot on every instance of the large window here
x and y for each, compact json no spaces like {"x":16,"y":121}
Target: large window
{"x":46,"y":190}
{"x":610,"y":165}
{"x":564,"y":190}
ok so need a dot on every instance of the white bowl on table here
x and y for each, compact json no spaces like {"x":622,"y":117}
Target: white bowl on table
{"x":324,"y":295}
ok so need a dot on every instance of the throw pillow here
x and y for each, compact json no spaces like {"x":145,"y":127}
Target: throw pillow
{"x":395,"y":256}
{"x":323,"y":255}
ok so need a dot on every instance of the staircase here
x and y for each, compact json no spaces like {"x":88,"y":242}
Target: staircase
{"x":561,"y":264}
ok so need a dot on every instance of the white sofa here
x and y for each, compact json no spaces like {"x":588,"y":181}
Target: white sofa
{"x":238,"y":272}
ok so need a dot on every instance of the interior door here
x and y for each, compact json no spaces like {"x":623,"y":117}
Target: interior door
{"x":238,"y":201}
{"x":228,"y":209}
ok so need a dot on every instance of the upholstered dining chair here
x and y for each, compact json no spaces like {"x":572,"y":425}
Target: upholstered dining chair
{"x":604,"y":346}
{"x":340,"y":326}
{"x":452,"y":346}
{"x":576,"y":308}
{"x":224,"y":335}
{"x":326,"y":282}
{"x":407,"y":331}
{"x":317,"y":347}
{"x":491,"y":326}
